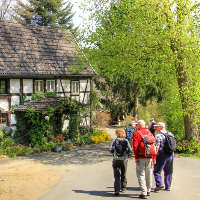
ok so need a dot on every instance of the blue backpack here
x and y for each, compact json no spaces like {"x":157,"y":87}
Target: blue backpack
{"x":129,"y":133}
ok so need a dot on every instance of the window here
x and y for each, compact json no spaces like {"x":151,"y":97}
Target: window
{"x":39,"y":86}
{"x":75,"y":87}
{"x":2,"y":86}
{"x":3,"y":120}
{"x":50,"y":85}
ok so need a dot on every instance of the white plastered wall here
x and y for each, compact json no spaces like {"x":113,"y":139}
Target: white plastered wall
{"x":4,"y":104}
{"x":66,"y":95}
{"x":83,"y":84}
{"x":15,"y":100}
{"x":27,"y":86}
{"x":65,"y":124}
{"x":86,"y":98}
{"x":85,"y":121}
{"x":65,"y":84}
{"x":13,"y":121}
{"x":14,"y":85}
{"x":75,"y":98}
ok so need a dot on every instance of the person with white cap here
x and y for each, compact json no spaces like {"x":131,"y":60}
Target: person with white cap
{"x":164,"y":161}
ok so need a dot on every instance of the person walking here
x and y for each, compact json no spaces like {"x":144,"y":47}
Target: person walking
{"x":164,"y":161}
{"x":144,"y":165}
{"x":121,"y":150}
{"x":151,"y":126}
{"x":129,"y":133}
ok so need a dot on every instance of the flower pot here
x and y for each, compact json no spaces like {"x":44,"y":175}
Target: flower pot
{"x":58,"y":148}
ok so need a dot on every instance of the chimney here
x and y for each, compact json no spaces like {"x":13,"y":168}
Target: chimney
{"x":31,"y":21}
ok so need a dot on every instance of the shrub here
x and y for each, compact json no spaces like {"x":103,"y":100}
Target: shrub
{"x":7,"y":142}
{"x":185,"y":146}
{"x":1,"y":135}
{"x":100,"y":136}
{"x":11,"y":155}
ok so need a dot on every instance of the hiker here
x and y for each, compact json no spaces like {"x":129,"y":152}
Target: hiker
{"x":144,"y":163}
{"x":129,"y":133}
{"x":151,"y":125}
{"x":164,"y":161}
{"x":121,"y":150}
{"x":133,"y":123}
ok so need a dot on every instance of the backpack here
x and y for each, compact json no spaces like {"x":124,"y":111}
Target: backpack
{"x":147,"y":146}
{"x":120,"y":149}
{"x":129,"y":133}
{"x":169,"y":143}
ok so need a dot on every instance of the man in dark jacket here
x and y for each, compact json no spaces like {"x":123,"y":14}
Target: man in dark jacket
{"x":164,"y":161}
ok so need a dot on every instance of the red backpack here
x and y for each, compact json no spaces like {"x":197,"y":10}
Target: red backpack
{"x":147,"y":146}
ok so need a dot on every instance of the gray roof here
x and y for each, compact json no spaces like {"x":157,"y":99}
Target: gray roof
{"x":38,"y":50}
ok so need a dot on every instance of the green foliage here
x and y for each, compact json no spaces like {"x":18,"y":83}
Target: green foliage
{"x":153,"y":45}
{"x":43,"y":95}
{"x":11,"y":155}
{"x":189,"y":147}
{"x":1,"y":135}
{"x":22,"y":126}
{"x":23,"y":99}
{"x":95,"y":100}
{"x":49,"y":13}
{"x":32,"y":128}
{"x":7,"y":142}
{"x":39,"y":127}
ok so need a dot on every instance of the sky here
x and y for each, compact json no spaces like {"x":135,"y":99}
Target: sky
{"x":76,"y":19}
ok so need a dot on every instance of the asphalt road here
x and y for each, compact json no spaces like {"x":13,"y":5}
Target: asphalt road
{"x":88,"y":175}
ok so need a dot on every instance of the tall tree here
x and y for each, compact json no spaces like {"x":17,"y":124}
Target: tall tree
{"x":53,"y":13}
{"x":5,"y":9}
{"x":158,"y":43}
{"x":119,"y":59}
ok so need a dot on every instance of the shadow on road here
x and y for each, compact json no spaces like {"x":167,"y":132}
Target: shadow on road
{"x":87,"y":155}
{"x":109,"y":193}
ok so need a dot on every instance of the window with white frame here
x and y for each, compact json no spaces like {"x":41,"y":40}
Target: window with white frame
{"x":39,"y":86}
{"x":50,"y":85}
{"x":75,"y":87}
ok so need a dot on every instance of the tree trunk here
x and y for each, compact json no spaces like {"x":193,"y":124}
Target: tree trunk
{"x":190,"y":125}
{"x":135,"y":104}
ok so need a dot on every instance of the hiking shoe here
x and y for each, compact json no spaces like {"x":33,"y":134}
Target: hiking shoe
{"x":123,"y":190}
{"x":142,"y":196}
{"x":159,"y":187}
{"x":148,"y":193}
{"x":116,"y":193}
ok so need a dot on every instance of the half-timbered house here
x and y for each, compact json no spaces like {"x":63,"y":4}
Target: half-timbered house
{"x":35,"y":59}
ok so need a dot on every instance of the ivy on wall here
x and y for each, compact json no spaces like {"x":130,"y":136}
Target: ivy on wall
{"x":32,"y":128}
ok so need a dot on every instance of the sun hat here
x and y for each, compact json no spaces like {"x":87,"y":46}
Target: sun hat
{"x":161,"y":124}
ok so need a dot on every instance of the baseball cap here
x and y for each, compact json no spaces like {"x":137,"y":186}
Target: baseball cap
{"x":161,"y":124}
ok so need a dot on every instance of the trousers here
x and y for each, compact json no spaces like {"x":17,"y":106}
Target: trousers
{"x":163,"y":162}
{"x":119,"y":169}
{"x":144,"y":174}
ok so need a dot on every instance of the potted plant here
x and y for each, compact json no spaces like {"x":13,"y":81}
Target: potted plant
{"x":58,"y":141}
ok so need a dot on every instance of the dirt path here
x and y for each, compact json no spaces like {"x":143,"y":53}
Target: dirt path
{"x":26,"y":179}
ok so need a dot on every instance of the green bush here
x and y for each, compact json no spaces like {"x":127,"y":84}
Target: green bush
{"x":185,"y":146}
{"x":1,"y":135}
{"x":7,"y":142}
{"x":11,"y":155}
